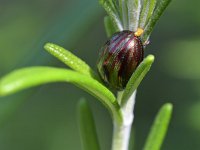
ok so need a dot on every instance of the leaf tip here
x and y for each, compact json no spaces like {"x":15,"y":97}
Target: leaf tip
{"x":101,"y":2}
{"x":150,"y":58}
{"x":49,"y":46}
{"x":83,"y":107}
{"x":4,"y":89}
{"x":168,"y":107}
{"x":82,"y":103}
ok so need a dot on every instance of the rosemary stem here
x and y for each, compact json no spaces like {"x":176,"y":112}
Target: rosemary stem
{"x":121,"y":132}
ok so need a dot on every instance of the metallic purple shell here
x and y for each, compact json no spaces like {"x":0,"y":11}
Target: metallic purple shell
{"x":120,"y":57}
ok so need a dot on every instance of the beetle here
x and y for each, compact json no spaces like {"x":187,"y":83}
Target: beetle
{"x":119,"y":58}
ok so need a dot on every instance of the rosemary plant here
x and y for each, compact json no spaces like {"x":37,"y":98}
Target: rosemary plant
{"x":122,"y":15}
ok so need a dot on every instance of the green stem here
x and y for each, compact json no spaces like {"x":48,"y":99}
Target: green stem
{"x":121,"y":135}
{"x":121,"y":132}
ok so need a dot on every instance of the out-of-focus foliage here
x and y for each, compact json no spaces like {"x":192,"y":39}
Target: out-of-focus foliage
{"x":45,"y":118}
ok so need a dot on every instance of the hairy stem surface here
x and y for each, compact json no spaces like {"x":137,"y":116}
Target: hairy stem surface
{"x":121,"y":132}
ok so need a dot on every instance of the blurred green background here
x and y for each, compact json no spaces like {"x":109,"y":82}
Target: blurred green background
{"x":44,"y":118}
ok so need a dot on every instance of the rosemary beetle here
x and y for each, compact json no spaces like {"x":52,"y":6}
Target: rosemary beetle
{"x":119,"y":58}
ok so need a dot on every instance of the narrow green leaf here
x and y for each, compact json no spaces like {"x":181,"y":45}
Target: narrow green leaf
{"x":143,"y":13}
{"x":137,"y":77}
{"x":160,"y":7}
{"x":115,"y":6}
{"x":112,"y":13}
{"x":147,"y":11}
{"x":86,"y":122}
{"x":33,"y":76}
{"x":69,"y":59}
{"x":124,"y":13}
{"x":134,"y":8}
{"x":159,"y":128}
{"x":152,"y":5}
{"x":109,"y":27}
